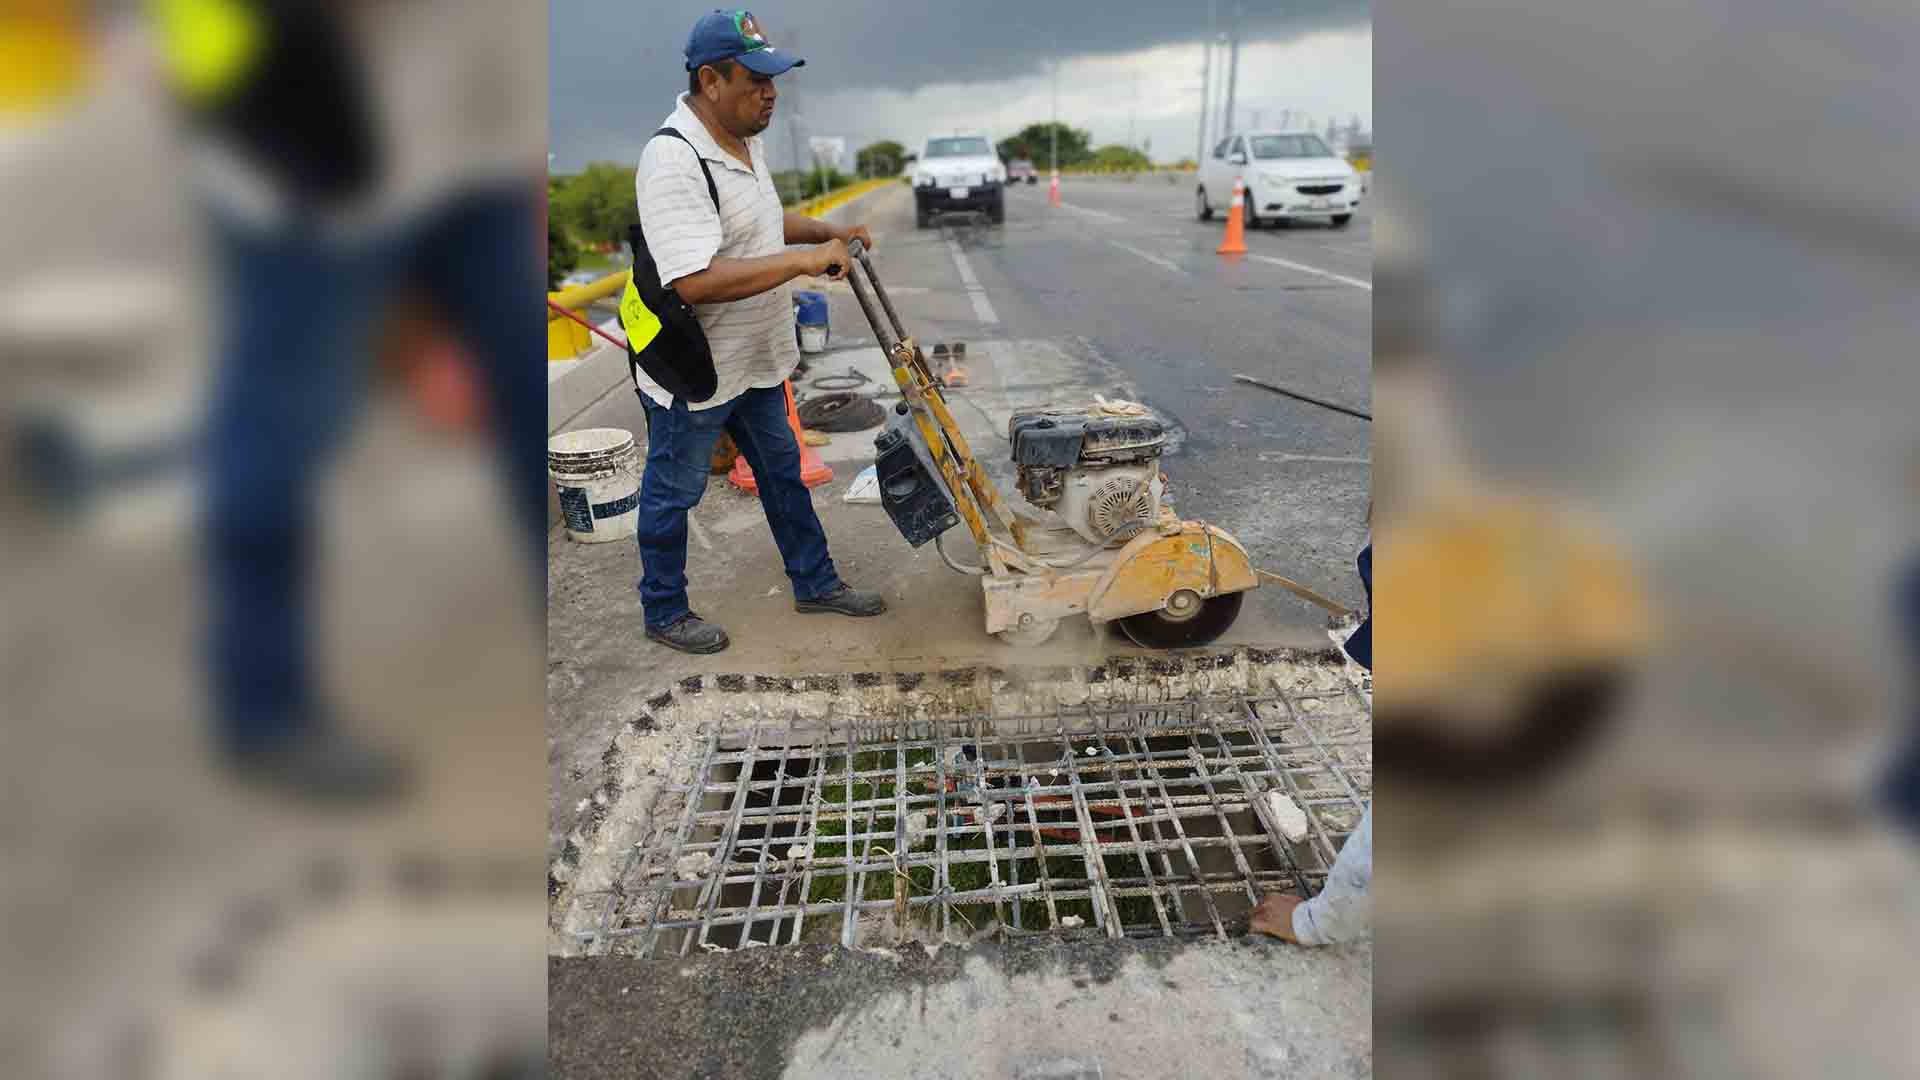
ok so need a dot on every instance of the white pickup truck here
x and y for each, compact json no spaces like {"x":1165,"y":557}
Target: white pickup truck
{"x":958,"y":174}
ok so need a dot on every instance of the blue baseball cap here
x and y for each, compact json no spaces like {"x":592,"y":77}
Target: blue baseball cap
{"x":735,"y":35}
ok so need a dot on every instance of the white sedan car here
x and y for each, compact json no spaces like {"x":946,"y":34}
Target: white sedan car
{"x":1289,"y":174}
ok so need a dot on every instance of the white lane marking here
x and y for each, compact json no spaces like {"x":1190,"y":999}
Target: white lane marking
{"x":1154,"y":259}
{"x":1302,"y":267}
{"x":1305,"y":269}
{"x":982,"y":307}
{"x":1099,"y":214}
{"x":1283,"y":457}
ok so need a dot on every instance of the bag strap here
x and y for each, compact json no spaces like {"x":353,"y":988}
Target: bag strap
{"x":713,"y":189}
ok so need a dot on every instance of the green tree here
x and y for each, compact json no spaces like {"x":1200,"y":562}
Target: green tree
{"x":562,"y":255}
{"x":809,"y":184}
{"x":597,"y":204}
{"x":1121,"y":157}
{"x":1034,"y":143}
{"x":883,"y":158}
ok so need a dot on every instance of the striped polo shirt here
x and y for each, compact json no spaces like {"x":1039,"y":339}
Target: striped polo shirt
{"x":752,"y":339}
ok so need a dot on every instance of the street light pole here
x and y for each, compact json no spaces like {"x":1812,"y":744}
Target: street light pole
{"x":1233,"y":67}
{"x":1053,"y":129}
{"x":793,"y":134}
{"x":1206,"y":80}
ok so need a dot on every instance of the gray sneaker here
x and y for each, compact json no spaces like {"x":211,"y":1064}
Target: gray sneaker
{"x":844,"y":600}
{"x":691,"y":634}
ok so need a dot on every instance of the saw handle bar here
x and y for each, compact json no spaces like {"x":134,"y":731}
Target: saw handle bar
{"x":873,"y":298}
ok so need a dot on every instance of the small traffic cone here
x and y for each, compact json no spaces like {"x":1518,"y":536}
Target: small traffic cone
{"x":1236,"y":239}
{"x":813,"y":471}
{"x":956,"y":373}
{"x":1053,"y":189}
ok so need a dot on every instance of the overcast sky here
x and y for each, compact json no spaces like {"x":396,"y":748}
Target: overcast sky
{"x":879,"y":69}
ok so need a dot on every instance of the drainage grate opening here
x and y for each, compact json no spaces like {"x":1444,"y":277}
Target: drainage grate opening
{"x":1134,"y":821}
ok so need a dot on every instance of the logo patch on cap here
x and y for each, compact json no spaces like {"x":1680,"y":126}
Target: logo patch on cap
{"x":750,"y":34}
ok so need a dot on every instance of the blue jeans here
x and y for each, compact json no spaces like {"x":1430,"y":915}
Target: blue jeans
{"x":680,"y":444}
{"x":1900,"y":786}
{"x":298,"y":314}
{"x":1360,"y":642}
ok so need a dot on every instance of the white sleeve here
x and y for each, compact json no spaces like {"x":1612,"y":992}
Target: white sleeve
{"x":1343,"y":911}
{"x":677,"y":215}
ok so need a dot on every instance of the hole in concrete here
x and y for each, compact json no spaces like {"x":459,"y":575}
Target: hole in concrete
{"x":894,"y":821}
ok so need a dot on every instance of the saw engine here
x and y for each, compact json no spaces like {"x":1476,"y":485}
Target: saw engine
{"x":1098,"y":467}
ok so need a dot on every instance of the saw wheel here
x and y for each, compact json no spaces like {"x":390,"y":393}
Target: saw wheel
{"x":1188,"y":621}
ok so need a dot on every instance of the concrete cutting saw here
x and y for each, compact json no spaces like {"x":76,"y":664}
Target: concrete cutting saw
{"x":1102,"y":540}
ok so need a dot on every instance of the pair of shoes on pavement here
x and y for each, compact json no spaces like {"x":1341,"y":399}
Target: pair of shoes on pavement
{"x":693,"y":634}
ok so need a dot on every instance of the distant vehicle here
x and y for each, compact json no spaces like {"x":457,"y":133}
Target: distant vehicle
{"x":1288,"y":174}
{"x":1021,"y":169}
{"x":959,"y":173}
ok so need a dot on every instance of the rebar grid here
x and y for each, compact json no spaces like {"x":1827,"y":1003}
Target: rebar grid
{"x":1138,"y":820}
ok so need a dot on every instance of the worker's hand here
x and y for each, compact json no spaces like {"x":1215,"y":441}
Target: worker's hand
{"x":853,"y":232}
{"x":821,"y":258}
{"x":1274,"y":917}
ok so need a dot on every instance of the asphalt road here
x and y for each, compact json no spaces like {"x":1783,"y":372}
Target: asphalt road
{"x":1124,"y":276}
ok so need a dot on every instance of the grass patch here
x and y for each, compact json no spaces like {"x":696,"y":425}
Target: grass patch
{"x":1060,"y":871}
{"x":598,"y":261}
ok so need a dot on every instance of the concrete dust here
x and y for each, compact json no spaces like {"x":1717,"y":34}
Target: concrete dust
{"x":1261,"y":1019}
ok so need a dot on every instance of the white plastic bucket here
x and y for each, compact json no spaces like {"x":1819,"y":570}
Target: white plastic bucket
{"x":597,"y":474}
{"x":813,"y":339}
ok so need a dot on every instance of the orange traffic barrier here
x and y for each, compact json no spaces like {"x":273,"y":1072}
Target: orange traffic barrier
{"x":1235,"y":242}
{"x":1053,"y":189}
{"x":813,"y":471}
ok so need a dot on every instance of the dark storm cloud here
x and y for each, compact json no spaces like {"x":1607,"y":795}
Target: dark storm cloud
{"x":615,"y":64}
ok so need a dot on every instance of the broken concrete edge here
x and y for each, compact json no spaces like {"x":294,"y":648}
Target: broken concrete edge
{"x":640,"y":757}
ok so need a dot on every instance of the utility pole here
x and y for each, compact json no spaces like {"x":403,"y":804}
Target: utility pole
{"x":1219,"y":95}
{"x":793,"y":131}
{"x":1233,"y":67}
{"x":1053,"y":130}
{"x":1133,"y":112}
{"x":1206,"y":81}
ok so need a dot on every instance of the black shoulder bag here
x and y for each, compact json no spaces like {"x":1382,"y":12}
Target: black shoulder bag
{"x":664,"y":338}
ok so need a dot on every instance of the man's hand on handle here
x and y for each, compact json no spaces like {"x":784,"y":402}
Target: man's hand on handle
{"x":828,"y":260}
{"x":848,"y":235}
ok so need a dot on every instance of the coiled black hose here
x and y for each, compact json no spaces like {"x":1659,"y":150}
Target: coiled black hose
{"x":841,"y":411}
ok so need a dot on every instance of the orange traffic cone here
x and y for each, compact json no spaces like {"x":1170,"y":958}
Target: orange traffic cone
{"x":1236,"y":239}
{"x":1053,"y":189}
{"x":813,"y":471}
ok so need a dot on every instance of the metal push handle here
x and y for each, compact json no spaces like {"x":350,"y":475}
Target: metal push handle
{"x":858,"y":250}
{"x":866,"y":286}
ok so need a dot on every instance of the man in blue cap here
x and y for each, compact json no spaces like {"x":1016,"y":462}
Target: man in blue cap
{"x":719,"y":237}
